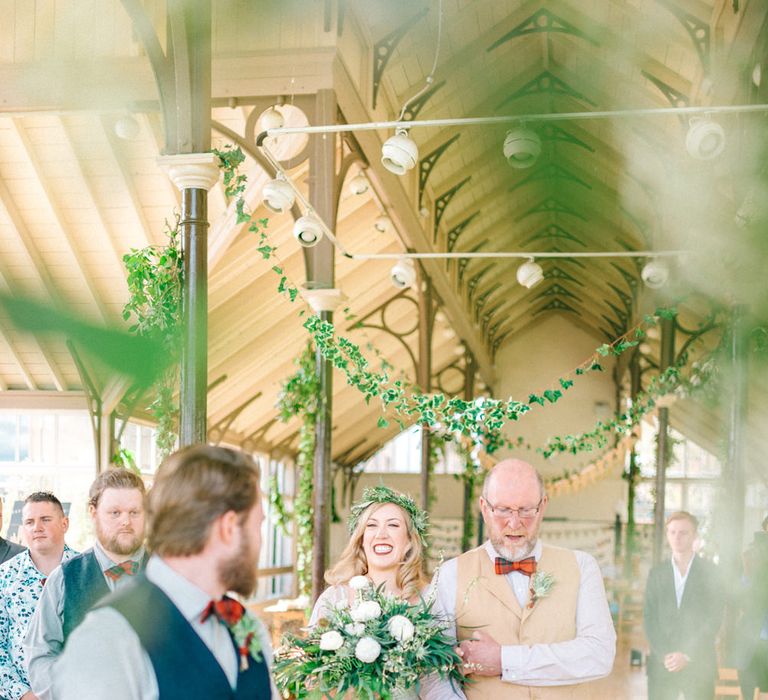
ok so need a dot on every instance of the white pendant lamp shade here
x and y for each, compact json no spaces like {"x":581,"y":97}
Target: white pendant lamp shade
{"x":358,"y":184}
{"x":522,"y":147}
{"x":529,"y":274}
{"x":127,"y":128}
{"x":278,"y":195}
{"x":272,"y":119}
{"x":307,"y":231}
{"x":399,"y":154}
{"x":403,"y":274}
{"x":655,"y":274}
{"x":382,"y":223}
{"x":705,"y":139}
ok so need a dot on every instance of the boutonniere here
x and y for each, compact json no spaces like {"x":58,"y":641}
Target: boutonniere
{"x":246,"y":634}
{"x":541,"y":585}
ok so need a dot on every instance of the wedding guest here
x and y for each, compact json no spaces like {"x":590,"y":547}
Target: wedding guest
{"x":387,"y":541}
{"x":532,"y":619}
{"x":8,"y":549}
{"x":116,"y":506}
{"x":21,"y":582}
{"x":684,"y":601}
{"x":174,"y":633}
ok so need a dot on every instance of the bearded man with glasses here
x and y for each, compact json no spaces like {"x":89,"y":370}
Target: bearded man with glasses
{"x":526,"y":614}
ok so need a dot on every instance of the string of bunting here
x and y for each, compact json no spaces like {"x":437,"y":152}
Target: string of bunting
{"x":480,"y":420}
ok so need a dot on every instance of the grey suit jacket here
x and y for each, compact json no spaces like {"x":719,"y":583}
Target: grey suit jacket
{"x":9,"y":549}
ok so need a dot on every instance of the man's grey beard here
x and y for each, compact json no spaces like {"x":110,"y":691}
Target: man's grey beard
{"x":514,"y":553}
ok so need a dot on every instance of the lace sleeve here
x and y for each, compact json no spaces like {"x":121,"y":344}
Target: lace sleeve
{"x":328,"y":599}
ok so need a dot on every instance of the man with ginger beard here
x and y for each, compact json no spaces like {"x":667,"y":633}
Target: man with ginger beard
{"x":174,"y":633}
{"x":532,"y":620}
{"x":116,"y":506}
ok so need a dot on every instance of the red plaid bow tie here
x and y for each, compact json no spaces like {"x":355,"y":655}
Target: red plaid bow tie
{"x":125,"y":568}
{"x":227,"y":610}
{"x":524,"y":566}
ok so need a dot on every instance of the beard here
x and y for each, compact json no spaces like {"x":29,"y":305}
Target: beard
{"x":238,"y":573}
{"x":513,"y":553}
{"x":124,"y":543}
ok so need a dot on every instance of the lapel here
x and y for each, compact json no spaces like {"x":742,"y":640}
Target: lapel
{"x":4,"y":549}
{"x":691,"y":585}
{"x":668,"y":596}
{"x":497,"y":585}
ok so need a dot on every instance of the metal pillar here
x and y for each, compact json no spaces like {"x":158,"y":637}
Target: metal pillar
{"x":662,"y":446}
{"x":732,"y":483}
{"x":319,"y":264}
{"x":469,"y":482}
{"x":634,"y":469}
{"x":424,"y":379}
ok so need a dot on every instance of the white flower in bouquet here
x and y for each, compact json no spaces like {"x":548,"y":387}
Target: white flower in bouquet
{"x":331,"y":641}
{"x":342,"y":604}
{"x":366,"y":610}
{"x":400,"y":627}
{"x":367,"y":650}
{"x":356,"y":629}
{"x":359,"y":583}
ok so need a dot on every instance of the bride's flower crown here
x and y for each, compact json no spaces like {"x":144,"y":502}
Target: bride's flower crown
{"x":384,"y":494}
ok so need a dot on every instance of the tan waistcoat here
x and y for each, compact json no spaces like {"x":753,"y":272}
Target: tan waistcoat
{"x":486,"y":601}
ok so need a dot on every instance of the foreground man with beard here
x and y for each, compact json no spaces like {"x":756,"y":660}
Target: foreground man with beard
{"x":116,"y":506}
{"x":174,"y":634}
{"x":527,"y":614}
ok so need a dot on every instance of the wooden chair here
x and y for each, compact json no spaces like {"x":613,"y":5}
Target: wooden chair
{"x":728,"y":684}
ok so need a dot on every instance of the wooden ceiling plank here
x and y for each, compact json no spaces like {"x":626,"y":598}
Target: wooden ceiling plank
{"x":23,"y":138}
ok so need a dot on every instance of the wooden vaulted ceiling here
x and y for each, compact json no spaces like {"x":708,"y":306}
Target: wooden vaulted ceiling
{"x":74,"y":197}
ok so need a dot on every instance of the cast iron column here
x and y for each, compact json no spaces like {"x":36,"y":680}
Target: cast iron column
{"x":469,"y":482}
{"x":426,"y":317}
{"x":667,"y":357}
{"x":634,"y":390}
{"x":319,"y":264}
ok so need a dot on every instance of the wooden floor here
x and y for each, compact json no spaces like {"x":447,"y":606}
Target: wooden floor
{"x":625,"y":683}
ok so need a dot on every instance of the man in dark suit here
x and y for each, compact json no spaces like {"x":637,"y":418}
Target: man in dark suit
{"x":7,"y":549}
{"x":684,"y":600}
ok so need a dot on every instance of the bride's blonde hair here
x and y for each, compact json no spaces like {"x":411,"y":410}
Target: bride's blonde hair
{"x":410,"y":574}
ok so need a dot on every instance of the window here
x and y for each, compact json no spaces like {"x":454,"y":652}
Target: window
{"x":402,"y":455}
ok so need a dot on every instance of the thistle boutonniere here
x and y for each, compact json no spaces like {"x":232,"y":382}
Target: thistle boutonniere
{"x":246,"y":634}
{"x":541,"y":585}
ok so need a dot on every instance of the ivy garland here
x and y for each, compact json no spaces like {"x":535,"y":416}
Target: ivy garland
{"x":299,"y":397}
{"x":155,"y":277}
{"x":481,"y":420}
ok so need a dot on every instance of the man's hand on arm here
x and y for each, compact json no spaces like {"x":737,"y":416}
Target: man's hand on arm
{"x":29,"y":695}
{"x":676,"y":661}
{"x":481,"y":654}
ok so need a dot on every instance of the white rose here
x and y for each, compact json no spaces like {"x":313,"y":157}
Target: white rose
{"x":400,"y":627}
{"x":367,"y":610}
{"x":355,"y":628}
{"x":342,"y":604}
{"x":359,"y":583}
{"x":331,"y":641}
{"x":367,"y":650}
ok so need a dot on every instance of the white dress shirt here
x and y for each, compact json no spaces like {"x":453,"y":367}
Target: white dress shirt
{"x":586,"y":657}
{"x":104,"y":653}
{"x":680,"y":580}
{"x":45,"y":637}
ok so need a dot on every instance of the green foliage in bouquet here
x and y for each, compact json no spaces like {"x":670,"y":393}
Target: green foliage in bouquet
{"x":376,"y":648}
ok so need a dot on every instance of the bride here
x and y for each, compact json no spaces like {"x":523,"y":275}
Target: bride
{"x":387,"y":543}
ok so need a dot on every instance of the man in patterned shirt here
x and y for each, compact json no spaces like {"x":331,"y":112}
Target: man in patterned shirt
{"x":21,"y":582}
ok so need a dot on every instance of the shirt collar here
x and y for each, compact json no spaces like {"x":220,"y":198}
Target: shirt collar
{"x":492,"y":553}
{"x":185,"y":595}
{"x":106,"y":563}
{"x":29,"y":563}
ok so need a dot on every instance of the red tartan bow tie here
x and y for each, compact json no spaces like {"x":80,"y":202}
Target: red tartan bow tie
{"x":125,"y":568}
{"x":227,"y":610}
{"x":524,"y":566}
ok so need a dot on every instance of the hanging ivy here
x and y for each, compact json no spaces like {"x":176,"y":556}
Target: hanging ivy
{"x":155,"y":277}
{"x":299,"y":396}
{"x":481,"y":420}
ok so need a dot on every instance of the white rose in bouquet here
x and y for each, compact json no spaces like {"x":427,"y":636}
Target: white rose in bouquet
{"x":400,"y":627}
{"x":331,"y":641}
{"x":367,"y":650}
{"x":356,"y":629}
{"x":367,"y":610}
{"x":359,"y":583}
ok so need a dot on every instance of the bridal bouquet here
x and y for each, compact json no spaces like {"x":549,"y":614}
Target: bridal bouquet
{"x":378,"y":647}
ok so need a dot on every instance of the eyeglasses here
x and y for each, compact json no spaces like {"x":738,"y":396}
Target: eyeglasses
{"x":503,"y":513}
